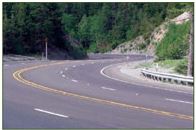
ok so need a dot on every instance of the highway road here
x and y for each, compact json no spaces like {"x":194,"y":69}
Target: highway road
{"x":74,"y":94}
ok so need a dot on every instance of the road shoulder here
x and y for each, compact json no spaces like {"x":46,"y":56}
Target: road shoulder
{"x":128,"y":73}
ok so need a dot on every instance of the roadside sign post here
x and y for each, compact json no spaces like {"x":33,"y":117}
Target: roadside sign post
{"x":46,"y":48}
{"x":146,"y":58}
{"x":157,"y":66}
{"x":42,"y":55}
{"x":127,"y":60}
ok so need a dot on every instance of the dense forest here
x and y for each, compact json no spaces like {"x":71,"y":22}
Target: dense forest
{"x":78,"y":28}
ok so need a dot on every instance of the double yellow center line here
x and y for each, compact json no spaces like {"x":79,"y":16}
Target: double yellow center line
{"x":18,"y":76}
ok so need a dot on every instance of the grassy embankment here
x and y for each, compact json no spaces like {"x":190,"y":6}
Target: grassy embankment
{"x":172,"y":51}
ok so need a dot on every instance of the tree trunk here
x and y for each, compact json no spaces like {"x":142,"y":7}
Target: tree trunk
{"x":190,"y":55}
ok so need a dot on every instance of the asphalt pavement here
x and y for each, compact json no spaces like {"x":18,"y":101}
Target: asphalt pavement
{"x":74,"y":94}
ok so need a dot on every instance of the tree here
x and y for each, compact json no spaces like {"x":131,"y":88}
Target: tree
{"x":190,"y":54}
{"x":84,"y":31}
{"x":101,"y":26}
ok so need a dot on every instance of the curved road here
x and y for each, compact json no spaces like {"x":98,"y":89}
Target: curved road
{"x":74,"y":94}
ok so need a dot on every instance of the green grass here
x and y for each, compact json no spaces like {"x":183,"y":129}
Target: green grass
{"x":178,"y":66}
{"x":145,"y":65}
{"x":181,"y":67}
{"x":169,"y":63}
{"x":175,"y":44}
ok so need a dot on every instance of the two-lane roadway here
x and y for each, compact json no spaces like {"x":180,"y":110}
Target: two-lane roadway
{"x":74,"y":94}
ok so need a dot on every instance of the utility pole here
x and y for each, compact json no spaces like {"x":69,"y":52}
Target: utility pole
{"x":190,"y":55}
{"x":46,"y":48}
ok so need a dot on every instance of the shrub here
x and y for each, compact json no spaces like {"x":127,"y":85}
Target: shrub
{"x":78,"y":53}
{"x":175,"y":44}
{"x":182,"y":67}
{"x":142,"y":46}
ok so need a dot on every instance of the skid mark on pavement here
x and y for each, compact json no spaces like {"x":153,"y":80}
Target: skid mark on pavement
{"x":18,"y":76}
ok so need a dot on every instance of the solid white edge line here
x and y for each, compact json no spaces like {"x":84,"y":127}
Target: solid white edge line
{"x":51,"y":113}
{"x":174,"y":100}
{"x":102,"y":73}
{"x":111,"y":89}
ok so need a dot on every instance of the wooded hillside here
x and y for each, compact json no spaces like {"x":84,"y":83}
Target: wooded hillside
{"x":80,"y":27}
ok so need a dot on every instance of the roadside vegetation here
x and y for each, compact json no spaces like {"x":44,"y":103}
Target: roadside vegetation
{"x":78,"y":28}
{"x":175,"y":44}
{"x":178,"y":66}
{"x":75,"y":29}
{"x":172,"y":51}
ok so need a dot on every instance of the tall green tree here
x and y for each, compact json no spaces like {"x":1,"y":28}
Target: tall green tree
{"x":101,"y":26}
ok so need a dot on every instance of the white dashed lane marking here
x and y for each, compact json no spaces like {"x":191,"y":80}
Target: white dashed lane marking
{"x":147,"y":86}
{"x":74,"y":80}
{"x":51,"y":113}
{"x":180,"y":101}
{"x":110,"y":89}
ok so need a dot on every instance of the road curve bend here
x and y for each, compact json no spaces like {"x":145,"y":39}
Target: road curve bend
{"x":70,"y":94}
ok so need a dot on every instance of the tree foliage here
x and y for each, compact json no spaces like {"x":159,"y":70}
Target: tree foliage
{"x":175,"y":43}
{"x":77,"y":27}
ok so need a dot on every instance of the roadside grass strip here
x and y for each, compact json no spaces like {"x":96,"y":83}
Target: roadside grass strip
{"x":18,"y":76}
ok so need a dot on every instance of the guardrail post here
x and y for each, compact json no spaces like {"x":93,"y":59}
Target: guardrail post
{"x":173,"y":78}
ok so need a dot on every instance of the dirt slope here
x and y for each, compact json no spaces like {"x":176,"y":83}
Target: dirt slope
{"x":141,"y":45}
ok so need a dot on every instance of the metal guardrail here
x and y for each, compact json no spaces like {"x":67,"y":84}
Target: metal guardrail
{"x":165,"y":77}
